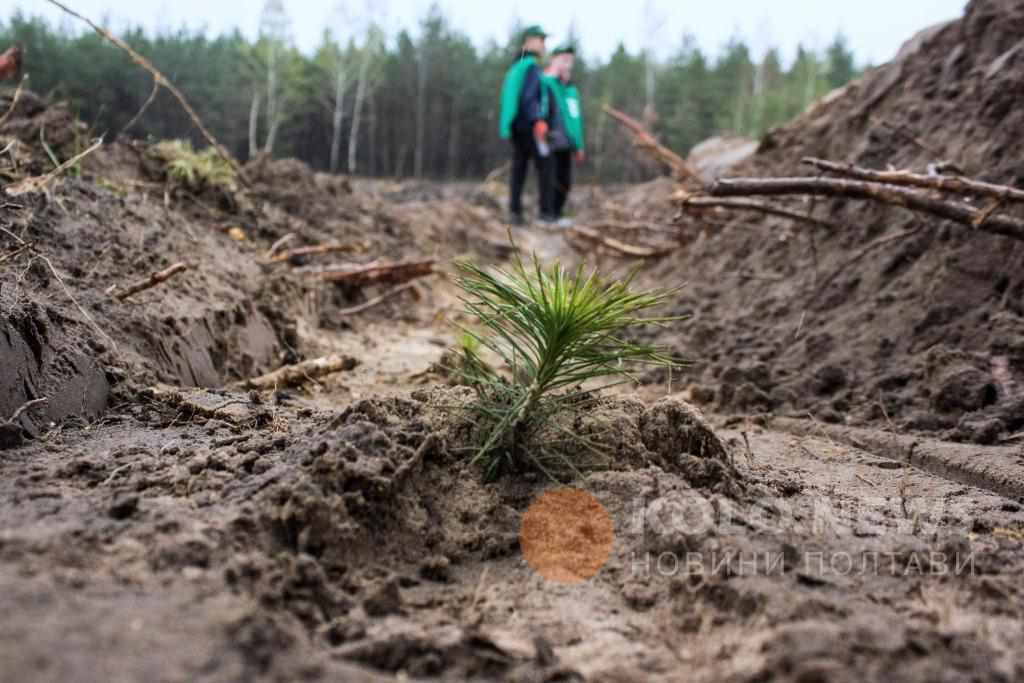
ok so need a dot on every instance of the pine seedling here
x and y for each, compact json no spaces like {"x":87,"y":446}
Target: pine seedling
{"x":557,"y":330}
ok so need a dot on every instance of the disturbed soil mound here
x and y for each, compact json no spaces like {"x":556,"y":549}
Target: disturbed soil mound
{"x":925,"y":329}
{"x":118,"y":217}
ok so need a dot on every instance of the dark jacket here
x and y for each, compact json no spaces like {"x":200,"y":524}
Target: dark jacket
{"x":533,"y":102}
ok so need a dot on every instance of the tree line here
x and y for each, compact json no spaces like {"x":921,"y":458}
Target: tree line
{"x":418,"y":104}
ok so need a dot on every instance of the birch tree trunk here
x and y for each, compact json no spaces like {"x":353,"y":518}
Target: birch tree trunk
{"x":421,"y":112}
{"x":272,"y":100}
{"x":337,"y":118}
{"x":254,"y":124}
{"x":357,"y":114}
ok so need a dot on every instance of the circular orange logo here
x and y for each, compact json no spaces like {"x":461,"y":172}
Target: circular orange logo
{"x":566,"y":536}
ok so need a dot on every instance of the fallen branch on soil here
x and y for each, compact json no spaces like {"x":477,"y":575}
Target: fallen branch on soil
{"x":611,"y":226}
{"x":644,"y":140}
{"x":39,"y":183}
{"x":14,"y":100}
{"x":317,"y":250}
{"x":621,"y":247}
{"x":943,"y":183}
{"x":299,"y":374}
{"x":149,"y":283}
{"x":857,"y":189}
{"x":378,"y":273}
{"x":703,"y":203}
{"x":376,"y":301}
{"x":159,"y":79}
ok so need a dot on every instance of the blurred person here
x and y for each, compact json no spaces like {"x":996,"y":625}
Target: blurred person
{"x":566,"y":134}
{"x":524,"y":122}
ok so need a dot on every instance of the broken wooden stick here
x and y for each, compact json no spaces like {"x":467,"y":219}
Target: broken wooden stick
{"x":149,"y":283}
{"x":943,"y":183}
{"x":701,"y":204}
{"x":858,"y":189}
{"x":39,"y":183}
{"x":646,"y":141}
{"x":160,"y":79}
{"x":376,"y":301}
{"x":300,"y":373}
{"x":634,"y":250}
{"x":293,"y":254}
{"x":378,"y":273}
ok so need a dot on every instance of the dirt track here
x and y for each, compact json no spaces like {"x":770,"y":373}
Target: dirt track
{"x":156,"y":525}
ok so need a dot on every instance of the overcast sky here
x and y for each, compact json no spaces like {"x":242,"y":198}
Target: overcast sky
{"x":875,"y":28}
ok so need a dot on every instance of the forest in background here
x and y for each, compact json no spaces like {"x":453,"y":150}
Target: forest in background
{"x":418,"y":104}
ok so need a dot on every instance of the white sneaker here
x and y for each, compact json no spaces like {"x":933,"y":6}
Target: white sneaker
{"x":566,"y":223}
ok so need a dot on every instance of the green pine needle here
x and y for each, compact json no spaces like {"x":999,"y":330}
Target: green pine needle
{"x":557,"y":330}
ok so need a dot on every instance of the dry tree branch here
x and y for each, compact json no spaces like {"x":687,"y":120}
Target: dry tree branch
{"x":958,"y":184}
{"x":633,"y":250}
{"x":14,"y":101}
{"x":162,"y":80}
{"x":378,"y":273}
{"x":150,"y":282}
{"x":145,"y":106}
{"x":701,"y":203}
{"x":857,"y":189}
{"x":647,"y":142}
{"x":39,"y":183}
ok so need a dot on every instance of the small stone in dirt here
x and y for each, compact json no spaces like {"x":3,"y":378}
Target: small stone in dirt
{"x":124,"y":506}
{"x":437,"y":569}
{"x":385,"y":600}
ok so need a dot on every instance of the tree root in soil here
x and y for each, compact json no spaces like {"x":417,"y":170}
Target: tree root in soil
{"x":300,"y":373}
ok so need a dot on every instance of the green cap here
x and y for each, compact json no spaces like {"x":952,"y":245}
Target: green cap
{"x":566,"y":49}
{"x":534,"y":31}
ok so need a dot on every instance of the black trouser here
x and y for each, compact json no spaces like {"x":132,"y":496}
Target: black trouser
{"x":561,"y":180}
{"x":524,"y":148}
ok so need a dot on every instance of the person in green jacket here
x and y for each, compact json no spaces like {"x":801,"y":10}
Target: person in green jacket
{"x":566,"y":125}
{"x":524,"y":123}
